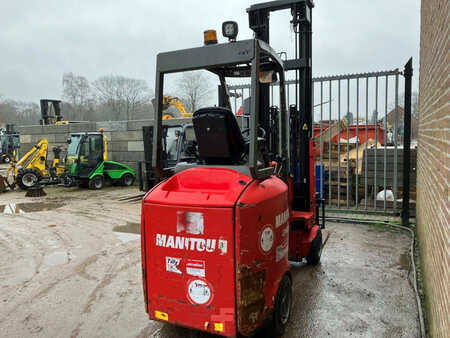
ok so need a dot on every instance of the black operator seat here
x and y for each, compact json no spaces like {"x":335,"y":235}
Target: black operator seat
{"x":218,"y":135}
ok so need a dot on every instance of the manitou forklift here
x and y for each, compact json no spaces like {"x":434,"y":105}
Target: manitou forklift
{"x":218,"y":233}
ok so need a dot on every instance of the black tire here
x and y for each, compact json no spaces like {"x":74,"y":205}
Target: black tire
{"x":28,"y":178}
{"x":96,"y":183}
{"x":68,"y":181}
{"x":283,"y":306}
{"x":127,"y":179}
{"x":6,"y":159}
{"x":313,"y":257}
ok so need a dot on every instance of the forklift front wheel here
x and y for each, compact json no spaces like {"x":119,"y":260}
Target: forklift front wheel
{"x":96,"y":183}
{"x":283,"y":304}
{"x":313,"y":257}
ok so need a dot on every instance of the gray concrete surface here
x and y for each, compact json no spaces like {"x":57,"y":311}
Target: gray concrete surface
{"x":71,"y":268}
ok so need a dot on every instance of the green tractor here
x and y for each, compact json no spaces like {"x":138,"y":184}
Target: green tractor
{"x":87,"y":164}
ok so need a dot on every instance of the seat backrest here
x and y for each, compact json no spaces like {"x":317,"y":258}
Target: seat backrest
{"x":218,"y":136}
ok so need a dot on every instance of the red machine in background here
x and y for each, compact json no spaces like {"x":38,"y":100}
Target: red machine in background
{"x":218,"y":233}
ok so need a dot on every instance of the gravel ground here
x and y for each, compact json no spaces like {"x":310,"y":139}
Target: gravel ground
{"x":70,"y":267}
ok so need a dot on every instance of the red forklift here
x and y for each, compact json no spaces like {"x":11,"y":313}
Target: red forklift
{"x":218,"y":233}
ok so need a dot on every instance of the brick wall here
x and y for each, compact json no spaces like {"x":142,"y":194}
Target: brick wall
{"x":433,"y":209}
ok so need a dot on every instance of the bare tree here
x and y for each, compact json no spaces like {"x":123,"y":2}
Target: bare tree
{"x":194,"y":89}
{"x":121,"y":95}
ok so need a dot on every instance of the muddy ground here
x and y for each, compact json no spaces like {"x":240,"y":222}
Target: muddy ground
{"x":70,"y":267}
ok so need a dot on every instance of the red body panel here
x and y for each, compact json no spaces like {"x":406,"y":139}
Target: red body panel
{"x":215,"y":245}
{"x":373,"y":132}
{"x":262,"y":216}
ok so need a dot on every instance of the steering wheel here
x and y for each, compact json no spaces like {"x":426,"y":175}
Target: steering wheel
{"x":260,"y":130}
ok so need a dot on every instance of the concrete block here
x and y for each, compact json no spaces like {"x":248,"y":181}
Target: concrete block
{"x":61,"y":138}
{"x":135,"y":146}
{"x":112,"y":125}
{"x":126,"y":135}
{"x":127,"y":156}
{"x":30,"y":130}
{"x":25,"y":138}
{"x":118,"y":146}
{"x":138,"y":124}
{"x":82,"y":127}
{"x":56,"y":129}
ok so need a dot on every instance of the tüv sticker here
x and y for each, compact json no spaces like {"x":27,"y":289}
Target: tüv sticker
{"x":172,"y":264}
{"x":195,"y":267}
{"x":199,"y":292}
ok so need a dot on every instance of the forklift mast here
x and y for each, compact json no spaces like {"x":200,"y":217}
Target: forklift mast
{"x":300,"y":113}
{"x":50,"y":111}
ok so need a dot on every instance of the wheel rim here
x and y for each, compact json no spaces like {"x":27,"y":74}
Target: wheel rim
{"x":128,"y":179}
{"x":98,"y":183}
{"x":6,"y":159}
{"x":29,"y":180}
{"x":285,"y":305}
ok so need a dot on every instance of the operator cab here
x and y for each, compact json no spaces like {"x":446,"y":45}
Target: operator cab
{"x":219,"y":140}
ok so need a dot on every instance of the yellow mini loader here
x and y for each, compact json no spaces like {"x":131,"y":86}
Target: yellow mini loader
{"x":33,"y":169}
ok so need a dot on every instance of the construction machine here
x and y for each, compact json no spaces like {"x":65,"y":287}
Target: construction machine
{"x":87,"y":162}
{"x":174,"y":102}
{"x":179,"y":145}
{"x":33,"y":168}
{"x":218,"y":233}
{"x":9,"y":144}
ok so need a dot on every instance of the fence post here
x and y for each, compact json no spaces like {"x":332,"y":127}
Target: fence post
{"x":408,"y":72}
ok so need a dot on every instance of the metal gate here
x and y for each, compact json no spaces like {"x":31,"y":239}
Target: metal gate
{"x":359,"y":136}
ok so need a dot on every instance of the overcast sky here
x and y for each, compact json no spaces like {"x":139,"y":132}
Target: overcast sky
{"x":40,"y":40}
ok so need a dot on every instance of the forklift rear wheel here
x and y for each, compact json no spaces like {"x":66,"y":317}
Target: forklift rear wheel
{"x":313,"y":257}
{"x":96,"y":183}
{"x":28,"y":179}
{"x":127,"y":179}
{"x":283,"y":304}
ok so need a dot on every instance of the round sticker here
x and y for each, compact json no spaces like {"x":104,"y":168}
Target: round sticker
{"x":266,"y":240}
{"x":199,"y":292}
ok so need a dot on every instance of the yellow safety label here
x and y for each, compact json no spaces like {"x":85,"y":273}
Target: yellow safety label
{"x":161,"y":315}
{"x":305,"y":127}
{"x":218,"y":327}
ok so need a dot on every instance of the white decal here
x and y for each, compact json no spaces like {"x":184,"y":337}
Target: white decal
{"x":285,"y":231}
{"x":282,"y":218}
{"x":172,"y":264}
{"x":190,"y":243}
{"x":282,"y":251}
{"x":195,"y":267}
{"x":191,"y":222}
{"x":199,"y":292}
{"x":266,"y":240}
{"x":223,"y":246}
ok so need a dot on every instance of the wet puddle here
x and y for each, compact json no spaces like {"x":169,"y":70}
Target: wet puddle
{"x":24,"y":208}
{"x":129,"y":232}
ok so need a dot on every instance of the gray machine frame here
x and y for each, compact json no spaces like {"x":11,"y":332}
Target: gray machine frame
{"x":224,"y":60}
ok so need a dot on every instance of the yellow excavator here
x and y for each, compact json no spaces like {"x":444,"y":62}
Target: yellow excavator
{"x":32,"y":169}
{"x":175,"y":102}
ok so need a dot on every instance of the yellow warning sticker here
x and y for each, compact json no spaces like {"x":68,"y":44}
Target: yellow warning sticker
{"x":161,"y":315}
{"x":218,"y":327}
{"x":305,"y":127}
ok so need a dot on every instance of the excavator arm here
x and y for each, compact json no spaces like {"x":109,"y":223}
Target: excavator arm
{"x":174,"y":101}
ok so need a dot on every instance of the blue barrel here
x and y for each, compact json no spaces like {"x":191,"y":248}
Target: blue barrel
{"x":320,"y":178}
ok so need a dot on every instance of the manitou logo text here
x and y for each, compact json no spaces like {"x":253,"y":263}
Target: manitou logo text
{"x":282,"y":218}
{"x":191,"y":244}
